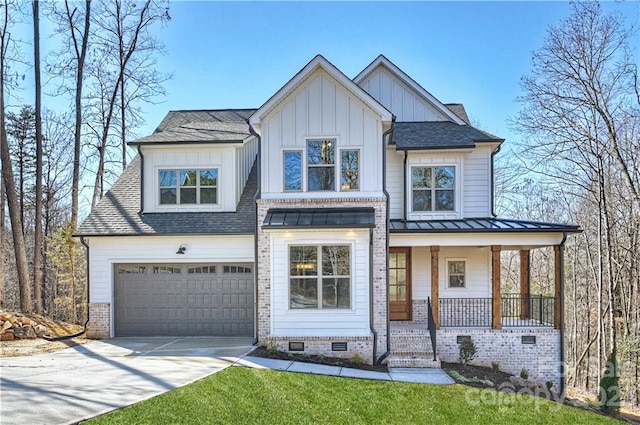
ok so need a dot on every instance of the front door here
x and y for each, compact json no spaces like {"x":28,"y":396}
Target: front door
{"x":400,"y":283}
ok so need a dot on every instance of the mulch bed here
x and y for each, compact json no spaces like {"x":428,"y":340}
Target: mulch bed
{"x":482,"y":373}
{"x":308,"y":358}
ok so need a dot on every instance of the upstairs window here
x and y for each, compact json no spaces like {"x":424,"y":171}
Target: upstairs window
{"x":292,"y":171}
{"x":350,"y":169}
{"x":433,"y":188}
{"x":188,"y":186}
{"x":321,"y":167}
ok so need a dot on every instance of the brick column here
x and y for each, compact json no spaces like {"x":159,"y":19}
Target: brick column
{"x":496,"y":296}
{"x":525,"y":283}
{"x":435,"y":285}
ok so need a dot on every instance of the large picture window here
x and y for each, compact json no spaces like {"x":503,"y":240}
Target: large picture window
{"x":188,"y":186}
{"x":321,"y":160}
{"x":319,"y":276}
{"x":433,"y":188}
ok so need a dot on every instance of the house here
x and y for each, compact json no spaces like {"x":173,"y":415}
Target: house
{"x":343,"y":217}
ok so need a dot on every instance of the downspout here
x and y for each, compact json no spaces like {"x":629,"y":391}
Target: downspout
{"x":141,"y":181}
{"x":84,"y":327}
{"x":256,"y":196}
{"x":371,"y":327}
{"x":388,"y":133}
{"x":493,"y":203}
{"x":404,"y":188}
{"x":561,"y":301}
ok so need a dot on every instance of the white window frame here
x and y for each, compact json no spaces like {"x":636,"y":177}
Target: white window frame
{"x":465,"y":274}
{"x":456,"y":188}
{"x":197,"y":187}
{"x":320,"y":276}
{"x":350,"y":149}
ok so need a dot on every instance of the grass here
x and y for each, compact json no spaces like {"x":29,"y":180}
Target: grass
{"x":251,"y":396}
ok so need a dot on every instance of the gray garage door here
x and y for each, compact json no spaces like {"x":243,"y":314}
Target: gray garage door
{"x":184,"y":299}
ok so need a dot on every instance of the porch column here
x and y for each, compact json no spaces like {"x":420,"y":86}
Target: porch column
{"x":559,"y":284}
{"x":496,"y":296}
{"x":435,"y":285}
{"x":525,"y":283}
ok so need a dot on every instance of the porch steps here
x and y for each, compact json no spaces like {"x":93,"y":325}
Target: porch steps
{"x":411,"y":347}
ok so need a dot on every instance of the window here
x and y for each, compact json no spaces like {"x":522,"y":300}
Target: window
{"x":166,"y":270}
{"x":236,"y":269}
{"x":433,"y":188}
{"x":320,"y":277}
{"x":293,"y":170}
{"x":188,"y":186}
{"x":132,"y":270}
{"x":202,"y":270}
{"x":456,"y":273}
{"x":350,"y":169}
{"x":321,"y":165}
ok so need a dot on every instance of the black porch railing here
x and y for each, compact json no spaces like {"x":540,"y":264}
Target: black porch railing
{"x":516,"y":311}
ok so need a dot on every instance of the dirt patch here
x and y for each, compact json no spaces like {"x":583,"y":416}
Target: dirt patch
{"x":308,"y":358}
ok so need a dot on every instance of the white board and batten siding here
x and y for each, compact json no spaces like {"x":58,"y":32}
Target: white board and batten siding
{"x":478,"y":272}
{"x":320,"y":322}
{"x":245,"y":157}
{"x":191,"y":157}
{"x":104,"y":252}
{"x":404,"y":102}
{"x":321,"y":107}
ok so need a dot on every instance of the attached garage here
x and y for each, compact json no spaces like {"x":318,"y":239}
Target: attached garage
{"x":212,"y":299}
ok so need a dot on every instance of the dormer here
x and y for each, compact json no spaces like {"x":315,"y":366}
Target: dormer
{"x":196,"y":161}
{"x":321,"y":137}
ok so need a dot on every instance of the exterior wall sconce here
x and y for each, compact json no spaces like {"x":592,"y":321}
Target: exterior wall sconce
{"x":182,"y":249}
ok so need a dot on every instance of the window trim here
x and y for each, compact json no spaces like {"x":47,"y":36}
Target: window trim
{"x":465,"y":274}
{"x":456,"y":188}
{"x":334,"y":140}
{"x":197,"y":187}
{"x":319,"y":277}
{"x":359,"y":171}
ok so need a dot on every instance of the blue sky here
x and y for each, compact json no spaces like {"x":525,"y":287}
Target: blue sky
{"x":237,"y":54}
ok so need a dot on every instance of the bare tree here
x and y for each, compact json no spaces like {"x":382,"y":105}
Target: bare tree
{"x":38,"y":277}
{"x":22,"y":265}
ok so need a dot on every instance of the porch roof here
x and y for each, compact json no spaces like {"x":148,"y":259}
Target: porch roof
{"x":479,"y":225}
{"x":308,"y":218}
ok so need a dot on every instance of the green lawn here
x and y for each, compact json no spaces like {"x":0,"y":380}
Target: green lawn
{"x":250,"y":396}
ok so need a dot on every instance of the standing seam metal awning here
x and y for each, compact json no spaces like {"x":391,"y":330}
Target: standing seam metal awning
{"x":319,"y":218}
{"x":479,"y":225}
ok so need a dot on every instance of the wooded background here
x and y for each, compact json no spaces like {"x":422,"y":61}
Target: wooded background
{"x":579,"y":162}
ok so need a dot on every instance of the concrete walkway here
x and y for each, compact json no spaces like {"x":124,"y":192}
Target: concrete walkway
{"x":418,"y":376}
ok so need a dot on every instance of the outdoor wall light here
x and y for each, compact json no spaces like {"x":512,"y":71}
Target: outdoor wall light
{"x":182,"y":249}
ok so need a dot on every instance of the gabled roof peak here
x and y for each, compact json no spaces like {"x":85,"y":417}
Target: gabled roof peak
{"x":382,"y":60}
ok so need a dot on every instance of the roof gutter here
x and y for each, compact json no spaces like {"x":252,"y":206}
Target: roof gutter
{"x":141,"y":180}
{"x":385,"y":136}
{"x":493,"y":202}
{"x":256,"y":196}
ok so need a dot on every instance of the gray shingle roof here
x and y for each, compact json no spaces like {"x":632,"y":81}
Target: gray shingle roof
{"x":458,"y":109}
{"x":221,"y":125}
{"x":438,"y":135}
{"x":478,"y":225}
{"x":118,"y":213}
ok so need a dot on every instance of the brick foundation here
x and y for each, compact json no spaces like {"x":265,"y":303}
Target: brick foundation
{"x":505,"y":346}
{"x":356,"y":345}
{"x":99,"y":325}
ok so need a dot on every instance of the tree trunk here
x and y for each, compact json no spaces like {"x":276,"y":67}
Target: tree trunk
{"x":77,"y":141}
{"x":38,"y":278}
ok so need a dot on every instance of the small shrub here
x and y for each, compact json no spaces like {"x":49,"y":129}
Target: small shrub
{"x":524,"y":373}
{"x":468,"y":351}
{"x":272,"y":348}
{"x":495,"y":366}
{"x":356,"y":359}
{"x":549,"y":384}
{"x":461,"y":378}
{"x":609,"y":386}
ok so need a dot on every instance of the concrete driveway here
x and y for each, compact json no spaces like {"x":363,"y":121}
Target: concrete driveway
{"x":77,"y":383}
